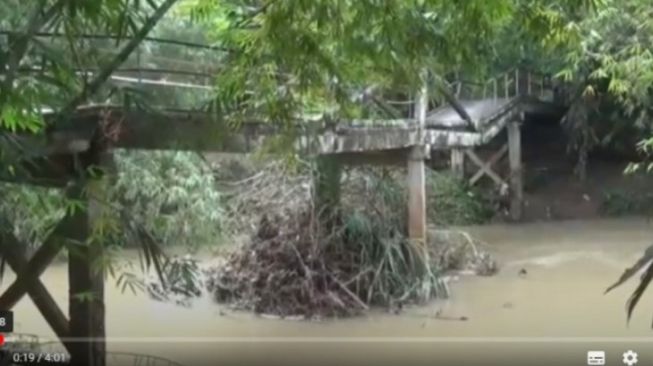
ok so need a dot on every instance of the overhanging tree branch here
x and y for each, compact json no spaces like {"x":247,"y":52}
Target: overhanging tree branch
{"x":16,"y":52}
{"x":175,"y":42}
{"x":105,"y":73}
{"x":453,"y":101}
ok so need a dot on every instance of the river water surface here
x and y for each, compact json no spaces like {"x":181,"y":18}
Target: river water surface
{"x":551,"y":315}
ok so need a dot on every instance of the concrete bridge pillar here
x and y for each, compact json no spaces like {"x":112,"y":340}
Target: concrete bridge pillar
{"x":417,"y":194}
{"x":458,"y":162}
{"x":516,"y":171}
{"x":416,"y":174}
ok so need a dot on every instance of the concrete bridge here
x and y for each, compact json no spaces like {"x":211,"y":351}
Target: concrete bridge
{"x":481,"y":111}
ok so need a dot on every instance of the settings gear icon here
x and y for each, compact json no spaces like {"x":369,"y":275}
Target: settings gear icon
{"x":630,"y":358}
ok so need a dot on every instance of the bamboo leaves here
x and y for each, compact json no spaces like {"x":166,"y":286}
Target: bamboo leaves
{"x":645,"y":280}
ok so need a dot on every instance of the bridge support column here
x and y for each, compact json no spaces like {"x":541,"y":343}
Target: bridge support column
{"x":458,"y":163}
{"x":417,"y":194}
{"x":417,"y":228}
{"x":516,"y":173}
{"x":327,"y":187}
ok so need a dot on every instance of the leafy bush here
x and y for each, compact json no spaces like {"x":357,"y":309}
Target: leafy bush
{"x":619,"y":203}
{"x":170,"y":195}
{"x":32,"y":211}
{"x":451,"y":201}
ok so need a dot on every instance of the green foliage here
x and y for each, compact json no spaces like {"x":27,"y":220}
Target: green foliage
{"x":614,"y":56}
{"x":620,"y":203}
{"x":170,"y":195}
{"x":32,"y":211}
{"x":182,"y":281}
{"x":291,"y":58}
{"x":645,"y":146}
{"x":381,"y":248}
{"x":385,"y":190}
{"x":42,"y":72}
{"x":608,"y":66}
{"x":536,"y":35}
{"x":452,"y":202}
{"x":374,"y":227}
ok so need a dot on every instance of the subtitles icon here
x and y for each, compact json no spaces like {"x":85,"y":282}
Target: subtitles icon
{"x":596,"y":358}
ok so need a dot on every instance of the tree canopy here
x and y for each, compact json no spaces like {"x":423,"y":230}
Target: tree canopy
{"x":268,"y":58}
{"x":317,"y":55}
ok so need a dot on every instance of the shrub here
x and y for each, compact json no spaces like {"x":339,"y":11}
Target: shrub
{"x":451,"y":201}
{"x":31,"y":211}
{"x":619,"y":203}
{"x":171,"y":195}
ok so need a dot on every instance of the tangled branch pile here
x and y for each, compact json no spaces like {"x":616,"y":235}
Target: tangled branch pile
{"x":272,"y":187}
{"x":301,"y":262}
{"x":457,"y":251}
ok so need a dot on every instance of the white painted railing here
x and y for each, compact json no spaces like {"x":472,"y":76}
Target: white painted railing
{"x":507,"y":85}
{"x":510,"y":84}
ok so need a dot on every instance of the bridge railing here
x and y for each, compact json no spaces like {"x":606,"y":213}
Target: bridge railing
{"x":509,"y":84}
{"x":506,"y":85}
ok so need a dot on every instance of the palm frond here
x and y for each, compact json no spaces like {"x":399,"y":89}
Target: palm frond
{"x":629,"y":272}
{"x":639,"y":291}
{"x":645,"y":280}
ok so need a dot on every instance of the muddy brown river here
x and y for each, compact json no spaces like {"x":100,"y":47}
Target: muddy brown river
{"x":552,"y":315}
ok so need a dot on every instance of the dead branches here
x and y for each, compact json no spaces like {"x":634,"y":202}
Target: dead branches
{"x":293,"y":263}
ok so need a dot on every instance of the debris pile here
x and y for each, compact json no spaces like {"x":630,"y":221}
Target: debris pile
{"x":457,"y":251}
{"x":284,"y":271}
{"x":299,"y":263}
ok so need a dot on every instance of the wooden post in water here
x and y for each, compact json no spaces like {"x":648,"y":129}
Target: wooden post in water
{"x":86,"y":280}
{"x":516,"y":174}
{"x":416,"y":175}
